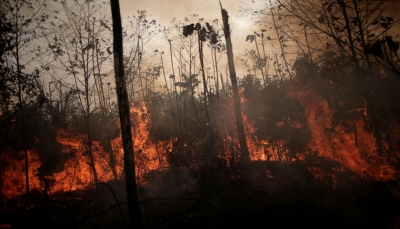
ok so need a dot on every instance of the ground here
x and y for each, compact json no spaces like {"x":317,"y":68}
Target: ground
{"x":218,"y":199}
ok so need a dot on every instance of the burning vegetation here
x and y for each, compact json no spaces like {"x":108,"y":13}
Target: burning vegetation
{"x":322,"y":132}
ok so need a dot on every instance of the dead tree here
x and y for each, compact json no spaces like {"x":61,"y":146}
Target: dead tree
{"x":236,"y":100}
{"x":123,"y":107}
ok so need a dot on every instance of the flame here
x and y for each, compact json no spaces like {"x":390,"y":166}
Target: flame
{"x":330,"y":141}
{"x":260,"y":148}
{"x":14,"y":173}
{"x":77,"y":171}
{"x":148,"y":154}
{"x":334,"y":143}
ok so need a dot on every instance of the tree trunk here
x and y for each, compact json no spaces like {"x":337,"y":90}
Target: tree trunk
{"x":175,"y":92}
{"x":284,"y":58}
{"x":2,"y":171}
{"x":259,"y":58}
{"x":207,"y":155}
{"x":21,"y":110}
{"x":205,"y":90}
{"x":89,"y":132}
{"x":350,"y":37}
{"x":245,"y":157}
{"x":123,"y":105}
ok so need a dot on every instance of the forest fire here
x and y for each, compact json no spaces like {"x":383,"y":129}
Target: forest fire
{"x":304,"y":134}
{"x":354,"y":150}
{"x":77,"y":172}
{"x":15,"y":175}
{"x":332,"y":142}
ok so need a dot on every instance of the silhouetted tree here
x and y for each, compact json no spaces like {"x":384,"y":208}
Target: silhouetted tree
{"x":123,"y":104}
{"x":236,"y":100}
{"x":21,"y":27}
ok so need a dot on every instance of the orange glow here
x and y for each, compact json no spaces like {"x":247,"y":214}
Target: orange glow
{"x":331,"y":142}
{"x":14,"y":174}
{"x":77,"y":171}
{"x":334,"y":143}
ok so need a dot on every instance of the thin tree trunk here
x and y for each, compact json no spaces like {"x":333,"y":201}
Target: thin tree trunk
{"x":2,"y":170}
{"x":209,"y":151}
{"x":169,"y":96}
{"x":236,"y":100}
{"x":350,"y":37}
{"x":284,"y":57}
{"x":104,"y":111}
{"x":277,"y":73}
{"x":216,"y":74}
{"x":204,"y":83}
{"x":123,"y":106}
{"x":259,"y":57}
{"x":89,"y":132}
{"x":21,"y":109}
{"x":266,"y":68}
{"x":175,"y":92}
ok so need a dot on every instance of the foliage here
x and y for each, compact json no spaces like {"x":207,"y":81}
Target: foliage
{"x":17,"y":32}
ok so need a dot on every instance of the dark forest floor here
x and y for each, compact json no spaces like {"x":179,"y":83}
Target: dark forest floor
{"x":176,"y":199}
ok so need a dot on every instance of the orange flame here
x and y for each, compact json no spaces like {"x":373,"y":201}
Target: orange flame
{"x":334,"y":143}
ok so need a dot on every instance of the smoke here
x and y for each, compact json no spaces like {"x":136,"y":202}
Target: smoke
{"x":171,"y":182}
{"x":51,"y":154}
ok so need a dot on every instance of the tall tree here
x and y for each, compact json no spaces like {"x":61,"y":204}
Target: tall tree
{"x":123,"y":104}
{"x":236,"y":99}
{"x":24,"y":19}
{"x":82,"y":48}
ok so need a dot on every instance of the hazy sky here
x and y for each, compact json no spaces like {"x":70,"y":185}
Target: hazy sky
{"x":163,"y":11}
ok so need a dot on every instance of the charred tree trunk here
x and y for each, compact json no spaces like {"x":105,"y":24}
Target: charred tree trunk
{"x":350,"y":38}
{"x":2,"y":171}
{"x":355,"y":132}
{"x":375,"y":125}
{"x":104,"y":111}
{"x":21,"y":110}
{"x":169,"y":95}
{"x":209,"y":151}
{"x":175,"y":92}
{"x":236,"y":100}
{"x":123,"y":106}
{"x":89,"y":133}
{"x":205,"y":90}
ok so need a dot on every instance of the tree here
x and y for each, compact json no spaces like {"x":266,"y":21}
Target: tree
{"x":204,"y":33}
{"x":343,"y":33}
{"x":236,"y":100}
{"x":123,"y":104}
{"x":137,"y":30}
{"x":82,"y":48}
{"x":18,"y":76}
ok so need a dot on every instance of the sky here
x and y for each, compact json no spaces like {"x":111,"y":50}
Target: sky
{"x":163,"y":11}
{"x":241,"y":23}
